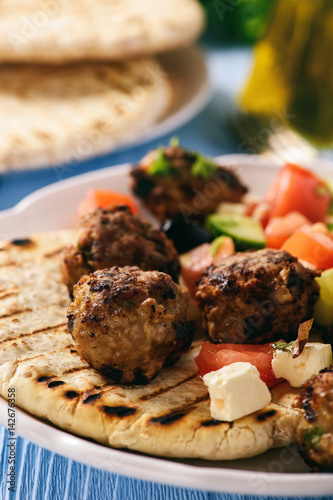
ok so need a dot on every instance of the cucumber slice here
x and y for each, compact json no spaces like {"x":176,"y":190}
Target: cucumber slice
{"x":246,"y":232}
{"x":323,"y":312}
{"x":216,"y":244}
{"x":231,"y":208}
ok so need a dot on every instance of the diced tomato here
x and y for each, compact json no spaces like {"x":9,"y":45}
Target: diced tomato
{"x":280,"y":228}
{"x":250,"y":208}
{"x":261,"y":213}
{"x":212,"y":357}
{"x":193,"y":264}
{"x":104,"y":198}
{"x":221,"y":248}
{"x":297,"y":189}
{"x":195,"y":261}
{"x":313,"y":245}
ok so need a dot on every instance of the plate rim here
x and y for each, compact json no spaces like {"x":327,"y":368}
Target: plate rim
{"x":150,"y":468}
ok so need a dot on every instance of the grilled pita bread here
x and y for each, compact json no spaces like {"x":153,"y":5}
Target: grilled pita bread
{"x":168,"y":417}
{"x":58,"y":31}
{"x":58,"y":115}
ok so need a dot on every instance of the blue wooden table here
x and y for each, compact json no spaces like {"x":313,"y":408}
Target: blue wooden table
{"x":41,"y":474}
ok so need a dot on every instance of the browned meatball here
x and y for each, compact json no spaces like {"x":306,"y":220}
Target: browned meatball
{"x":116,"y":237}
{"x":173,"y":181}
{"x":256,"y":297}
{"x":314,"y":434}
{"x":129,"y":323}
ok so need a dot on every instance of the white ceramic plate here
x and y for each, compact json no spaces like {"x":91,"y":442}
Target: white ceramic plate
{"x":277,"y":472}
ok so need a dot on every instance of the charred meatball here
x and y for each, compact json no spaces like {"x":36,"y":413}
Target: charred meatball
{"x":128,"y":323}
{"x":116,"y":237}
{"x":314,"y":434}
{"x":256,"y":297}
{"x":173,"y":181}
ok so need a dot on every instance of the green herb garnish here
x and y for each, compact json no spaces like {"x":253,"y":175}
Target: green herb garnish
{"x":174,"y":142}
{"x":312,"y":436}
{"x":281,"y":345}
{"x":161,"y":165}
{"x":203,"y":167}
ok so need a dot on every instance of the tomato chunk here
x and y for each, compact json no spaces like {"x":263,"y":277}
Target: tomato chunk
{"x":311,"y":245}
{"x":198,"y":259}
{"x":104,"y":198}
{"x":279,"y":229}
{"x":212,"y":357}
{"x":297,"y":189}
{"x":193,"y":265}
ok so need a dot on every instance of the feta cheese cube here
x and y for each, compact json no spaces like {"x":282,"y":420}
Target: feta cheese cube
{"x":297,"y":371}
{"x":236,"y":390}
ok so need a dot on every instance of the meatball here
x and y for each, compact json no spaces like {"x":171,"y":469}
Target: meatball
{"x":116,"y":237}
{"x":256,"y":297}
{"x":128,"y":323}
{"x":314,"y":434}
{"x":173,"y":181}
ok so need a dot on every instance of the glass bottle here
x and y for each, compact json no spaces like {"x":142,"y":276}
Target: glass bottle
{"x":293,"y":69}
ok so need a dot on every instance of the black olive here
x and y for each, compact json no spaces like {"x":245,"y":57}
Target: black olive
{"x":185,"y":235}
{"x":143,"y":186}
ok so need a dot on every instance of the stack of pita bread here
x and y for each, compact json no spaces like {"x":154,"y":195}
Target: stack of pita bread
{"x":79,"y":77}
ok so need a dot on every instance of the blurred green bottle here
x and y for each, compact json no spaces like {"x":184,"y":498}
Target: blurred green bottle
{"x":293,"y":69}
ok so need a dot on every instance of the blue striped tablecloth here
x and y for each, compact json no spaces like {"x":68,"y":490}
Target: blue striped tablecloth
{"x":41,"y":474}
